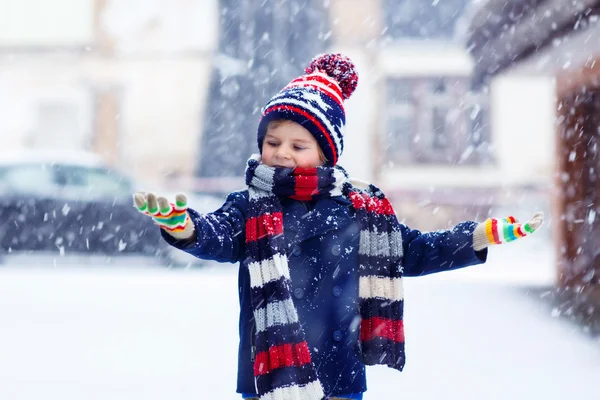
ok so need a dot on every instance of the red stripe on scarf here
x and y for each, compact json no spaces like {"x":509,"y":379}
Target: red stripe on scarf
{"x":382,"y":327}
{"x":264,"y":225}
{"x":372,"y":204}
{"x":286,"y":355}
{"x":314,"y":121}
{"x":307,"y":183}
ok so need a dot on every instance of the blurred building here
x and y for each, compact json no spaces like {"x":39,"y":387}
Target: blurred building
{"x":433,"y":142}
{"x":124,"y":78}
{"x":542,"y":63}
{"x":174,"y":89}
{"x":262,"y":46}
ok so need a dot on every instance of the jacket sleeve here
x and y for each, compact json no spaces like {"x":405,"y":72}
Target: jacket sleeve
{"x":220,"y":235}
{"x":445,"y":250}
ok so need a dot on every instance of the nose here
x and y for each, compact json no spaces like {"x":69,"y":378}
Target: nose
{"x":283,"y":153}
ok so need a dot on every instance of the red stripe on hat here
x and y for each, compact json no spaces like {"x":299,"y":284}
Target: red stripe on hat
{"x":311,"y":119}
{"x":320,"y":89}
{"x":264,"y":225}
{"x":325,"y":79}
{"x":305,"y":80}
{"x":377,"y":327}
{"x":321,"y":78}
{"x":287,"y":355}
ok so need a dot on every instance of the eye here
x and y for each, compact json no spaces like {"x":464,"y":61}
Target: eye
{"x":299,"y":148}
{"x":273,"y":144}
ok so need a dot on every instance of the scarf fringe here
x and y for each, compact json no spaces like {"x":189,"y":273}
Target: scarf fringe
{"x":311,"y":391}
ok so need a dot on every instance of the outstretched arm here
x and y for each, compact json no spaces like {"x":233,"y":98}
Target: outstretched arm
{"x":464,"y":245}
{"x":218,"y":236}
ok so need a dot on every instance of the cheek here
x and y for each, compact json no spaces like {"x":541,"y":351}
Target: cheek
{"x":267,"y":153}
{"x":310,"y":160}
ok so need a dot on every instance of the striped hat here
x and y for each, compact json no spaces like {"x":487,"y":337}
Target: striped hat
{"x":316,"y":101}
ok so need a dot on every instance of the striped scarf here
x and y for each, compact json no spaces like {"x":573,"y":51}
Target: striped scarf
{"x":283,"y":368}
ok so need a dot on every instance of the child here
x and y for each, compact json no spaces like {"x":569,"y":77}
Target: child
{"x":321,"y":261}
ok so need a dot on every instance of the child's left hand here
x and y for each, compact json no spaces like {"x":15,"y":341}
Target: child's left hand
{"x":498,"y":231}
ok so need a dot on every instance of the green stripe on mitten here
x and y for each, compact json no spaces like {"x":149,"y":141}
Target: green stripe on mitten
{"x":172,"y":217}
{"x":498,"y":231}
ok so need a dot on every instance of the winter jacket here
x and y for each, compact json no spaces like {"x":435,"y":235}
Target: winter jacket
{"x":322,"y":240}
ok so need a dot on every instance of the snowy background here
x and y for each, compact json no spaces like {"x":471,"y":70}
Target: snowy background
{"x":102,"y":98}
{"x":487,"y":332}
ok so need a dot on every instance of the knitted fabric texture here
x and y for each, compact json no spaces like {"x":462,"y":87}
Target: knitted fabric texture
{"x":172,"y":217}
{"x":283,"y":367}
{"x":498,"y":231}
{"x":316,"y":101}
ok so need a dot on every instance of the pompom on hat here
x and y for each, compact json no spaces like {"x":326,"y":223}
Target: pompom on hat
{"x":316,"y":101}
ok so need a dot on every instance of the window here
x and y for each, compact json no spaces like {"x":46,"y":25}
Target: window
{"x":400,"y":122}
{"x":435,"y":120}
{"x":421,"y":19}
{"x":439,"y":117}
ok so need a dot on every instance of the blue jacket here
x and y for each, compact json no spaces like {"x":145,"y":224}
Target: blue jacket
{"x":322,"y":242}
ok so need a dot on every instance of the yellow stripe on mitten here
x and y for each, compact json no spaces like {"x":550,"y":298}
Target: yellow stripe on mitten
{"x":498,"y":231}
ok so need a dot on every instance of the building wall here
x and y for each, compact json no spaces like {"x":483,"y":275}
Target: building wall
{"x":526,"y":106}
{"x":125,"y":78}
{"x":568,"y":72}
{"x":523,"y":122}
{"x":130,"y":79}
{"x":427,"y":196}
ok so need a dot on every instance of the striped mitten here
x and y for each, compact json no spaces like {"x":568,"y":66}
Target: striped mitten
{"x":498,"y":231}
{"x":173,"y":218}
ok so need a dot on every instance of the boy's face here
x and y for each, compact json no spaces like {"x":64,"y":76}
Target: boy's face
{"x":288,"y":144}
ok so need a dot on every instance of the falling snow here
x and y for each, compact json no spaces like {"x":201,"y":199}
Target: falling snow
{"x":464,"y":110}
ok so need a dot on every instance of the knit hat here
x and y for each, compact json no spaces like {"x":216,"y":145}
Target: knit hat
{"x":316,"y":101}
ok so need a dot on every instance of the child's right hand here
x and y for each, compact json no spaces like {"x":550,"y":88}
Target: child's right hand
{"x":173,"y":218}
